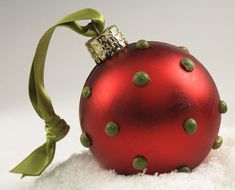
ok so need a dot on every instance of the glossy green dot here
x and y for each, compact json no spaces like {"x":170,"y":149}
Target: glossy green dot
{"x":218,"y":142}
{"x":184,"y":169}
{"x":223,"y":106}
{"x":184,"y":48}
{"x":142,"y":44}
{"x":187,"y":64}
{"x":85,"y":140}
{"x":111,"y":129}
{"x":140,"y":78}
{"x":190,"y":126}
{"x":86,"y":92}
{"x":140,"y":163}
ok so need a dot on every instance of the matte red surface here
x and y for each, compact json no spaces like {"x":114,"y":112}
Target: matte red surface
{"x":151,"y":117}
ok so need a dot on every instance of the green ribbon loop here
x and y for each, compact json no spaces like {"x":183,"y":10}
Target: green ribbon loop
{"x":56,"y":128}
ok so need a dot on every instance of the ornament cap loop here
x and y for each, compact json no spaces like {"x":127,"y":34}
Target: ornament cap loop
{"x":107,"y":44}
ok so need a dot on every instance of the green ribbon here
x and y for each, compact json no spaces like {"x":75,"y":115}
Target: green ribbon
{"x":56,"y":128}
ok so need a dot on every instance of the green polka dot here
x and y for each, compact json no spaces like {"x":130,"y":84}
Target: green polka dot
{"x":140,"y":163}
{"x":190,"y":126}
{"x":184,"y":169}
{"x":187,"y":64}
{"x":111,"y":129}
{"x":85,"y":140}
{"x":86,"y":92}
{"x":223,"y":106}
{"x":140,"y":78}
{"x":218,"y":142}
{"x":142,"y":44}
{"x":184,"y":49}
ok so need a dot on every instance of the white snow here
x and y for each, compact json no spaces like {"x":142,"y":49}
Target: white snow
{"x":82,"y":172}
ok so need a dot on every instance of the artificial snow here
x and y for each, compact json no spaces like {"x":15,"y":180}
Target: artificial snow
{"x":82,"y":172}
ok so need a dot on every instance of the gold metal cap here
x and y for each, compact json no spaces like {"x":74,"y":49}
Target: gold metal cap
{"x":107,"y":44}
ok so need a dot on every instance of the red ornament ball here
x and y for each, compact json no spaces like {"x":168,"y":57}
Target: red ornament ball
{"x":151,"y":108}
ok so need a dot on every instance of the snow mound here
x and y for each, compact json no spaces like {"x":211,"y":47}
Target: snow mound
{"x":82,"y":172}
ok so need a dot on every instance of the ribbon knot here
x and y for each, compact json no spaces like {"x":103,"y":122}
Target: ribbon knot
{"x":56,"y":129}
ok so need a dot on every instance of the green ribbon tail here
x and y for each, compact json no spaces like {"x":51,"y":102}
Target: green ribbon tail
{"x":36,"y":162}
{"x":56,"y":128}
